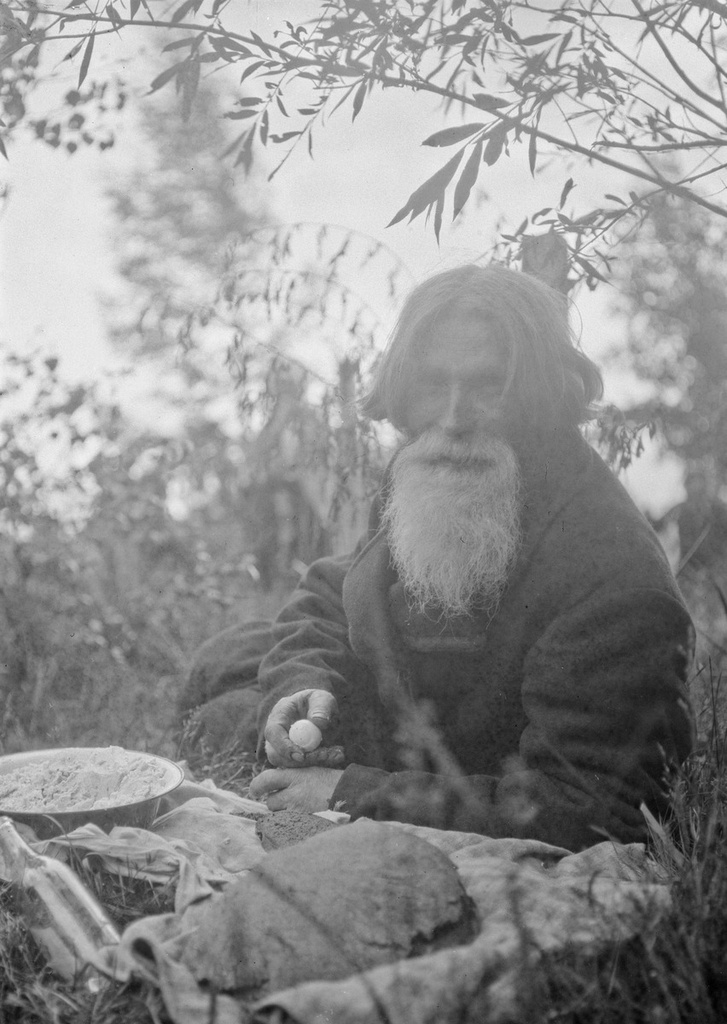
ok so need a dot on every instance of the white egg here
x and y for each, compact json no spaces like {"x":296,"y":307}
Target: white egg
{"x":305,"y":735}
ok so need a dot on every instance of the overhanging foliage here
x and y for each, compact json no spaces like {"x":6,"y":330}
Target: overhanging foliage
{"x":620,"y":83}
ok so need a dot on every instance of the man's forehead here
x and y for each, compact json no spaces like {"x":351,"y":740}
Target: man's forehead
{"x":462,"y":338}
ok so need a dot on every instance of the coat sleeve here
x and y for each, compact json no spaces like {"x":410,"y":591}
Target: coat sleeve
{"x":310,"y":639}
{"x":604,"y":696}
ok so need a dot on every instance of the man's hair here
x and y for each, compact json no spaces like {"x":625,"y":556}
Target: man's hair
{"x":553,"y":381}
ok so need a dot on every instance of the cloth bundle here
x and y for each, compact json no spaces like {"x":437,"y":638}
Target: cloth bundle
{"x":480,"y":910}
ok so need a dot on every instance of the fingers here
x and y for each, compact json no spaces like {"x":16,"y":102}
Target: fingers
{"x":272,"y":780}
{"x":279,"y":801}
{"x":323,"y":757}
{"x":308,"y":789}
{"x":317,"y":705}
{"x":322,"y":708}
{"x":281,"y":750}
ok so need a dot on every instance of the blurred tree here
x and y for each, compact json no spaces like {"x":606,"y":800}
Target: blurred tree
{"x":175,"y":211}
{"x":120,"y":552}
{"x":673,"y":276}
{"x":673,"y":281}
{"x":178,"y":216}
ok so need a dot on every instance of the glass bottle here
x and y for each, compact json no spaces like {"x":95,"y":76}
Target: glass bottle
{"x":62,"y":915}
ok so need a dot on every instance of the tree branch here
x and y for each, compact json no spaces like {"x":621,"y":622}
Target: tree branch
{"x":672,"y":61}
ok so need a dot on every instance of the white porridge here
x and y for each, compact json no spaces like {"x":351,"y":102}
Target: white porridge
{"x":81,"y":780}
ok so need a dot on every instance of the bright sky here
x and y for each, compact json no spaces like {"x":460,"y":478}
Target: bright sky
{"x":56,"y":254}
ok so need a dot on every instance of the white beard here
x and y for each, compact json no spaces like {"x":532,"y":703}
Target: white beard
{"x":453,"y":521}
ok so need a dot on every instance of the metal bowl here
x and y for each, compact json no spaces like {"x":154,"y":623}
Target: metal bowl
{"x":49,"y":822}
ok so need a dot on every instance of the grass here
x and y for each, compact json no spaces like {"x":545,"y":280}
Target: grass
{"x":671,"y":974}
{"x":30,"y":993}
{"x":675,"y":973}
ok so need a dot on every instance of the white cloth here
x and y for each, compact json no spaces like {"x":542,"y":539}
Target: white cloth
{"x":531,"y":898}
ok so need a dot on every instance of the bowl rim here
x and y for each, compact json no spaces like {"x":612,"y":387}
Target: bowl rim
{"x":11,"y":761}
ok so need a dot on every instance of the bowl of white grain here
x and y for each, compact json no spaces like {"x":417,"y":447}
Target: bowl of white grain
{"x":56,"y":791}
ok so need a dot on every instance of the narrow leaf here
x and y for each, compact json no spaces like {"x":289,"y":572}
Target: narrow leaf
{"x":251,"y":69}
{"x":544,"y":38}
{"x":358,"y":99}
{"x":238,"y":115}
{"x":541,"y":213}
{"x":533,"y":151}
{"x":261,"y":44}
{"x":488,"y":102}
{"x":439,"y":210}
{"x":467,"y":178}
{"x":451,"y":136}
{"x":133,"y":8}
{"x":187,"y":41}
{"x":3,"y":150}
{"x":564,"y":44}
{"x":249,"y":101}
{"x":113,"y":15}
{"x":589,"y":268}
{"x":166,"y":76}
{"x":429,"y":192}
{"x":182,"y":10}
{"x":85,"y":62}
{"x":244,"y":157}
{"x":74,"y":50}
{"x":189,"y":80}
{"x":566,"y":192}
{"x":495,"y":144}
{"x":284,"y":136}
{"x":614,"y":199}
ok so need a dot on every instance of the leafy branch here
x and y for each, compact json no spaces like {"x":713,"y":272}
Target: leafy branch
{"x":597,"y":80}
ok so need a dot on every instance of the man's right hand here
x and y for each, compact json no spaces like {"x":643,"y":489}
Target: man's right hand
{"x":319,"y":707}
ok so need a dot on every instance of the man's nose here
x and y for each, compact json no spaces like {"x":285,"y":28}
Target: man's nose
{"x":459,"y":413}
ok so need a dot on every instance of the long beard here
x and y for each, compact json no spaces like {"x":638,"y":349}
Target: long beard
{"x":453,"y":521}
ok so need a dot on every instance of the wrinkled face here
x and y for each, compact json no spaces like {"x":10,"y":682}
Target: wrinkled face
{"x":458,"y":381}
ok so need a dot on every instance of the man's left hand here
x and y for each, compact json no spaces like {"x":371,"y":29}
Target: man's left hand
{"x":303,"y":789}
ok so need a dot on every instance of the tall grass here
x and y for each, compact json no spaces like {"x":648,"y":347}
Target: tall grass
{"x":671,"y":972}
{"x":675,"y":972}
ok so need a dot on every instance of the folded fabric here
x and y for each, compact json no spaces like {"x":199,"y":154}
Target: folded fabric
{"x":201,"y":840}
{"x":529,"y":897}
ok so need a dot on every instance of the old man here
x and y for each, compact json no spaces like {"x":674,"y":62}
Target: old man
{"x":506,"y":651}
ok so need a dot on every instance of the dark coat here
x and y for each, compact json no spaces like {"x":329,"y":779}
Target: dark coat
{"x":562,"y":712}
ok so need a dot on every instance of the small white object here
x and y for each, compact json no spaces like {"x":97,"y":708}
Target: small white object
{"x":305,"y":735}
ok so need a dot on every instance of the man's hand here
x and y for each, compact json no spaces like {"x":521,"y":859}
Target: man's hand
{"x":304,"y":789}
{"x":319,"y":706}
